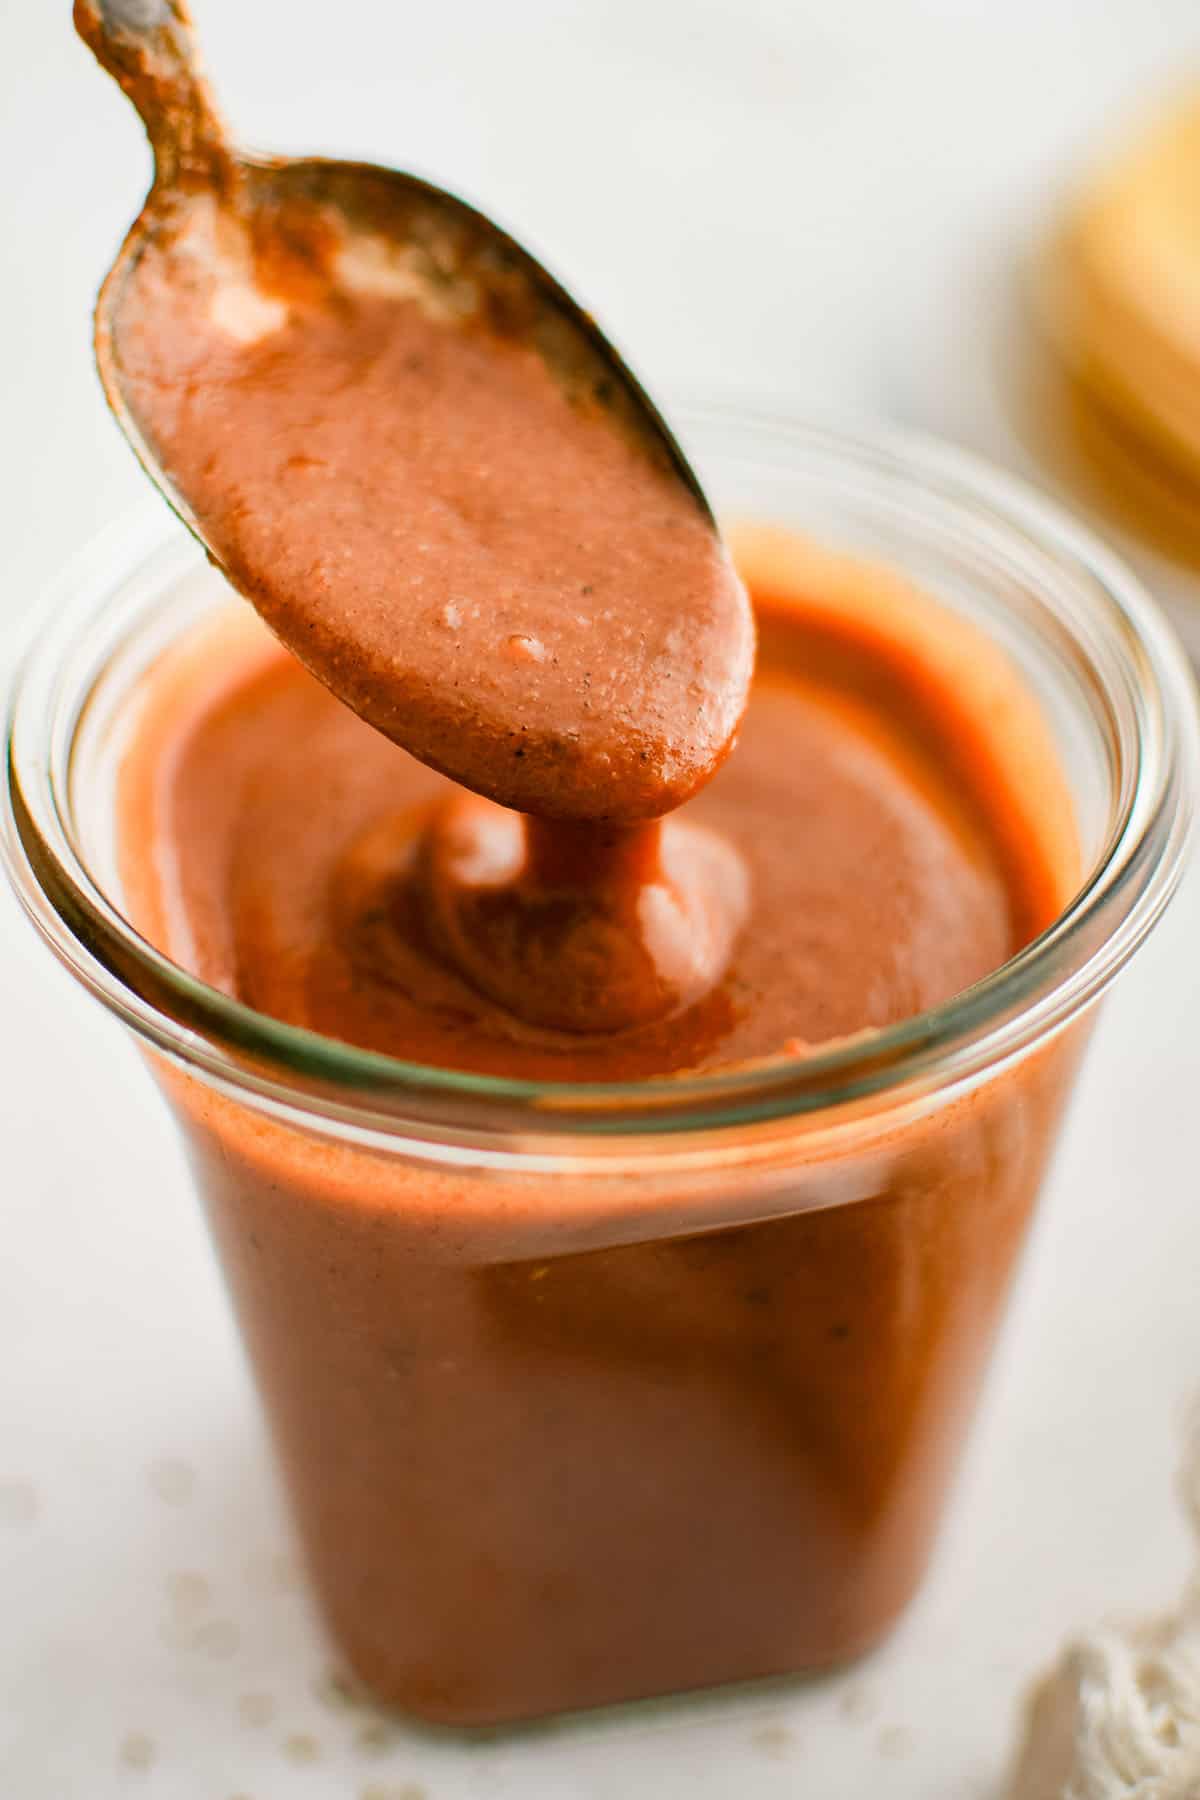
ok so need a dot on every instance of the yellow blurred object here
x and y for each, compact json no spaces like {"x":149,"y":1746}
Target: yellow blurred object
{"x":1105,"y":460}
{"x":1119,"y":289}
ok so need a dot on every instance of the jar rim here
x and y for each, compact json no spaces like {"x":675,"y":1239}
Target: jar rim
{"x":298,"y":1073}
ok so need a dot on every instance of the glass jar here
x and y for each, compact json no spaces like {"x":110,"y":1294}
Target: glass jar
{"x":589,"y":1393}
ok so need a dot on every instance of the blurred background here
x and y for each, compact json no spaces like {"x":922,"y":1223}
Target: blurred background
{"x":821,"y":207}
{"x":817,"y":205}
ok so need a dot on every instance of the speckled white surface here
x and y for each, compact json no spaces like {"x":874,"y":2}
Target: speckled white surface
{"x":811,"y":203}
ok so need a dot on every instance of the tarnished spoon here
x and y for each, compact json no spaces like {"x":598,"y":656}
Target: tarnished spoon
{"x":549,"y":620}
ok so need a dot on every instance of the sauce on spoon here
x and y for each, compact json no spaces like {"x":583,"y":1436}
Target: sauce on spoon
{"x":409,"y":448}
{"x":445,"y":494}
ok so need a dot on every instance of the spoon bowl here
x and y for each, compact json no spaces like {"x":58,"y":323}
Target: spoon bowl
{"x":228,"y":253}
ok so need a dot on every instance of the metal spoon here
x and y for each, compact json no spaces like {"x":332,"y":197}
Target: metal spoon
{"x":463,"y":268}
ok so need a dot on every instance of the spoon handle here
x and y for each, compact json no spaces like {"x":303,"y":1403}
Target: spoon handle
{"x":149,"y":48}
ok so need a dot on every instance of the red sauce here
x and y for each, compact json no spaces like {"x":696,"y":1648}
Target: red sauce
{"x":479,"y":563}
{"x":872,"y":881}
{"x":548,"y":1446}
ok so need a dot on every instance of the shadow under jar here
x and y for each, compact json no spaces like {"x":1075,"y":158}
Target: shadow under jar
{"x":591,"y":1393}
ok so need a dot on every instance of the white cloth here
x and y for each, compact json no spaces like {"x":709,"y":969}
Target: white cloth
{"x":1118,"y":1717}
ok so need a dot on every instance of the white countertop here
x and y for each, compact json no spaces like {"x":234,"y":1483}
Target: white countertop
{"x":812,"y":204}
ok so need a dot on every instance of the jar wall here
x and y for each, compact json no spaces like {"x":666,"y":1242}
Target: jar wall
{"x":547,"y":1481}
